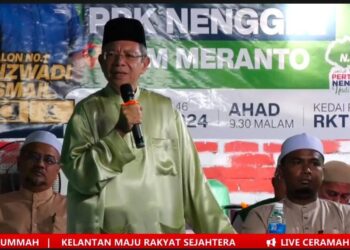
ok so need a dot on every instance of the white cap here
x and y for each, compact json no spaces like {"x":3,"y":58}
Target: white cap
{"x":44,"y":137}
{"x":336,"y":171}
{"x":300,"y":141}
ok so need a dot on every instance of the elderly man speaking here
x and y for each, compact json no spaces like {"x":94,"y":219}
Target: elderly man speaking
{"x":124,"y":179}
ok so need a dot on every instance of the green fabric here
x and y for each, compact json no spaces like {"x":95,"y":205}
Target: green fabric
{"x":221,"y":194}
{"x":116,"y":188}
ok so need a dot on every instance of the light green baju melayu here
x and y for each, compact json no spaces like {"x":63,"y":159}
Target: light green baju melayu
{"x":115,"y":187}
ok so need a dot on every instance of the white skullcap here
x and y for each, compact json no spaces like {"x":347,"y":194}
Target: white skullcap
{"x":44,"y":137}
{"x":336,"y":171}
{"x":300,"y":141}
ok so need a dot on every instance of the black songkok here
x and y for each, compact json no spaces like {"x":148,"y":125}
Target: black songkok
{"x":123,"y":28}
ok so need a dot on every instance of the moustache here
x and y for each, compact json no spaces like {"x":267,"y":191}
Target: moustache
{"x":38,"y":171}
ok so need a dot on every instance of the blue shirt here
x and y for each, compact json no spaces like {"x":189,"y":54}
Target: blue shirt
{"x":54,"y":29}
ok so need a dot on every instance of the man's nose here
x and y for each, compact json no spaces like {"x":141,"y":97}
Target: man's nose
{"x":307,"y":167}
{"x":40,"y":161}
{"x":119,"y":59}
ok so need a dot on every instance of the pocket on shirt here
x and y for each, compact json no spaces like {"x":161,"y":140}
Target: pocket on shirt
{"x":172,"y":229}
{"x":171,"y":216}
{"x":165,"y":153}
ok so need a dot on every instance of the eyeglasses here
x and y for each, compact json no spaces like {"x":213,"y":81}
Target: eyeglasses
{"x":128,"y":56}
{"x":36,"y":157}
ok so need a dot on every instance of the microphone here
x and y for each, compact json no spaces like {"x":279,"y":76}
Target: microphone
{"x":128,"y":94}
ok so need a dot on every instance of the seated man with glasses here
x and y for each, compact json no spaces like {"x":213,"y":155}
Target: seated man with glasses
{"x":35,"y":208}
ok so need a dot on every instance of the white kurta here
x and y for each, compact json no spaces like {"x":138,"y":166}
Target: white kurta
{"x":320,"y":216}
{"x":26,"y":212}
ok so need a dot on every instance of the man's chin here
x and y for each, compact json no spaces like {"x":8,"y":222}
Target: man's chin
{"x":37,"y":181}
{"x":119,"y":81}
{"x":305,"y":193}
{"x":116,"y":84}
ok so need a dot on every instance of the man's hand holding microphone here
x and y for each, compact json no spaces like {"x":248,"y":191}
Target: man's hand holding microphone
{"x":130,"y":116}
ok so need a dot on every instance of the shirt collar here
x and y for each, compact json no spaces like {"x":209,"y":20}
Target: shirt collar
{"x":308,"y":207}
{"x":110,"y":92}
{"x":37,"y":196}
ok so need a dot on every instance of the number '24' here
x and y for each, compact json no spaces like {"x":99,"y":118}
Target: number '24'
{"x":192,"y":121}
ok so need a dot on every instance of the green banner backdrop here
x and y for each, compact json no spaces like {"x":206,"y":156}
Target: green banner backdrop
{"x":234,"y":70}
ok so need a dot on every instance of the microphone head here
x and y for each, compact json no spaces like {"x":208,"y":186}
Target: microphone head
{"x":126,"y":92}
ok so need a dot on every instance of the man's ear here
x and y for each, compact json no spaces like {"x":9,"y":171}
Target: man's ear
{"x":280,"y":171}
{"x":273,"y":181}
{"x":58,"y":168}
{"x":145,"y":62}
{"x":100,"y":59}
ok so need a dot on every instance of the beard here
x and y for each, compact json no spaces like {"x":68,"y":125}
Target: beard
{"x":305,"y":193}
{"x":35,"y":181}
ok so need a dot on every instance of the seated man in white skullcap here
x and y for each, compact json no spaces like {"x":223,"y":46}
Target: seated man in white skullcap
{"x":336,"y":182}
{"x":35,"y":208}
{"x":301,"y":162}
